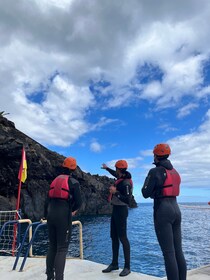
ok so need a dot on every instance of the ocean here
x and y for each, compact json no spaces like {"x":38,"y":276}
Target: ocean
{"x":146,"y":256}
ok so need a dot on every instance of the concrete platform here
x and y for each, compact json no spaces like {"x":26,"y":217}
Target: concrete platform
{"x":79,"y":269}
{"x":202,"y":273}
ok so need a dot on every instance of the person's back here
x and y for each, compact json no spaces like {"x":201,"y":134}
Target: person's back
{"x":162,"y":184}
{"x":64,"y":198}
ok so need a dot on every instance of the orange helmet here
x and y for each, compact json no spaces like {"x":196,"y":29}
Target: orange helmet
{"x":162,"y":150}
{"x":121,"y":164}
{"x":70,"y":163}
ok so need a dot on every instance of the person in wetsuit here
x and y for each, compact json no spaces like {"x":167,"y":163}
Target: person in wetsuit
{"x":64,"y":199}
{"x":121,"y":193}
{"x":162,"y":184}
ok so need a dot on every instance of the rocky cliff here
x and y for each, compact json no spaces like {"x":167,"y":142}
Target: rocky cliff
{"x":42,"y":165}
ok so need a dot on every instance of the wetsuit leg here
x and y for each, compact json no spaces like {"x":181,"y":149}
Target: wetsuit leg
{"x":166,"y":244}
{"x":59,"y":225}
{"x":120,"y":214}
{"x":115,"y":242}
{"x":165,"y":219}
{"x":63,"y":233}
{"x":126,"y":251}
{"x":123,"y":236}
{"x":182,"y":267}
{"x":51,"y":251}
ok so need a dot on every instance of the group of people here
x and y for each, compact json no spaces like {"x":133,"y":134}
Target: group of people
{"x":161,"y":184}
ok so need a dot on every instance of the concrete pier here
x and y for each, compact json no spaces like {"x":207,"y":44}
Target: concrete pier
{"x":80,"y":270}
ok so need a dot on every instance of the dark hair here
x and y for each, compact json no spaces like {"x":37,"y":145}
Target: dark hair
{"x":162,"y":157}
{"x":62,"y":170}
{"x":123,"y":170}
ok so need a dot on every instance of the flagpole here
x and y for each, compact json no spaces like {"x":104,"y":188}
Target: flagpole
{"x":18,"y":198}
{"x":20,"y":174}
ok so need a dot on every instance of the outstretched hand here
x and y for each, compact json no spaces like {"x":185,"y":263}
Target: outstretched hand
{"x":104,"y":166}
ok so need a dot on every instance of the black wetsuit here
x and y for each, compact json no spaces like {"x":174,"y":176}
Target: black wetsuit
{"x":120,"y":202}
{"x":167,"y":220}
{"x":59,"y":222}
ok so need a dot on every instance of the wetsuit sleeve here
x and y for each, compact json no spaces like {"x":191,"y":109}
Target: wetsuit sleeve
{"x":124,"y":192}
{"x":112,"y":172}
{"x":153,"y":182}
{"x":46,"y":206}
{"x":76,"y":195}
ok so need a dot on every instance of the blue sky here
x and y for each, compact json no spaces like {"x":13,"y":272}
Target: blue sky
{"x":108,"y":80}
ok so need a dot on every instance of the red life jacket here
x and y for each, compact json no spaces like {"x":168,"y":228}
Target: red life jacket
{"x":121,"y":179}
{"x":171,"y":186}
{"x":117,"y":182}
{"x":59,"y":187}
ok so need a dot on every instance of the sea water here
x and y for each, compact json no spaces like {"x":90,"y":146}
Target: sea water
{"x":146,"y":256}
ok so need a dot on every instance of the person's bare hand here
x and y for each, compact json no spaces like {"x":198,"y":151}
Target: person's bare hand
{"x":112,"y":189}
{"x":104,"y":166}
{"x":74,"y":213}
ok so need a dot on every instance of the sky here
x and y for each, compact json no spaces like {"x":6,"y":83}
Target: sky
{"x":108,"y":80}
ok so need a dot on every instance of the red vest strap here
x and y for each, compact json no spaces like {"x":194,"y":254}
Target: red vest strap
{"x":122,"y":179}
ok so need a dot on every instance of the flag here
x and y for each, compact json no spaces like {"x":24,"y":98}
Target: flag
{"x":22,"y":175}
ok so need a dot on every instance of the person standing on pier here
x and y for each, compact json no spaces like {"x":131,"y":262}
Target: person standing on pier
{"x":121,"y":193}
{"x":163,"y":184}
{"x":64,"y":199}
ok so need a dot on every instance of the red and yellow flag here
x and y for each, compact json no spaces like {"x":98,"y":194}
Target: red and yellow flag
{"x":22,"y":175}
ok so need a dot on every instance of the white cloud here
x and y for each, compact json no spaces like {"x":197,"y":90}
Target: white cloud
{"x":205,"y":91}
{"x":60,"y":118}
{"x":96,"y":147}
{"x":132,"y":162}
{"x":186,"y":110}
{"x":190,"y":156}
{"x":46,"y":4}
{"x":166,"y":127}
{"x":99,"y":40}
{"x":152,"y":90}
{"x":103,"y":121}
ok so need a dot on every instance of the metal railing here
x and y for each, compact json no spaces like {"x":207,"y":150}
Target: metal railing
{"x":15,"y":222}
{"x":29,"y":248}
{"x":31,"y":236}
{"x":80,"y":237}
{"x":39,"y":225}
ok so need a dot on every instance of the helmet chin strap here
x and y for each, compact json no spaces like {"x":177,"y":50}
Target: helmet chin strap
{"x":156,"y":159}
{"x":119,"y":173}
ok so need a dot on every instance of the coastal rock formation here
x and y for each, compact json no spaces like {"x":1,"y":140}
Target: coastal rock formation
{"x":42,"y":169}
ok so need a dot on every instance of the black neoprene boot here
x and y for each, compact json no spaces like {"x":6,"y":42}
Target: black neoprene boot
{"x":50,"y":278}
{"x":125,"y":272}
{"x":110,"y":268}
